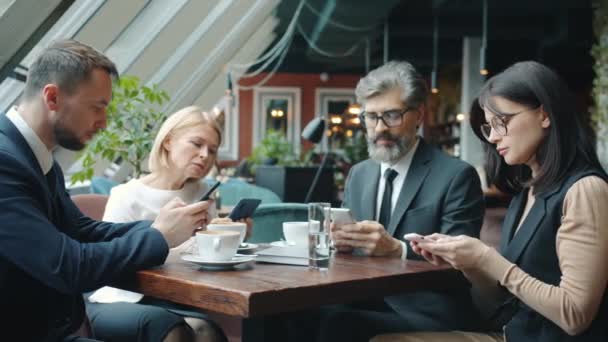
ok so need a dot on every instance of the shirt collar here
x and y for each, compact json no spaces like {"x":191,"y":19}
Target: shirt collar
{"x":403,"y":164}
{"x":42,"y":153}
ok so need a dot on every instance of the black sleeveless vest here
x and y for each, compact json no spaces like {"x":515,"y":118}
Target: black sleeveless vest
{"x":533,"y":250}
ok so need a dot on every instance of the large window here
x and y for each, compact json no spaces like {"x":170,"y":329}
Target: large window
{"x":338,"y":107}
{"x":278,"y":109}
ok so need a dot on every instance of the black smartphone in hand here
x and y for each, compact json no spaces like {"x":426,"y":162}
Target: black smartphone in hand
{"x":244,"y":208}
{"x":210,"y":191}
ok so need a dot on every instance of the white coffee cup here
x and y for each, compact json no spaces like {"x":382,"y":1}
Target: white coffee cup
{"x":217,"y":245}
{"x":296,"y":233}
{"x":239,"y":227}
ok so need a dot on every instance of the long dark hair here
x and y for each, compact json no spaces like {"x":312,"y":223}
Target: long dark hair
{"x":569,"y":143}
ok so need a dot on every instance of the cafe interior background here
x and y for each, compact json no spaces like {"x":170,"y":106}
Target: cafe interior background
{"x":270,"y":67}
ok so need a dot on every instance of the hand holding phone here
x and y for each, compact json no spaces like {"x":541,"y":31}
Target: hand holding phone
{"x":414,"y":237}
{"x":209,"y":192}
{"x":342,"y":216}
{"x":245,"y":208}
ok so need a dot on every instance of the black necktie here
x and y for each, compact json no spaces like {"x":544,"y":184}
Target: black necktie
{"x":385,"y":207}
{"x":51,"y":180}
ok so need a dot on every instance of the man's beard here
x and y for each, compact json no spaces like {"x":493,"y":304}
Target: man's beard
{"x":67,"y":139}
{"x":388,"y":154}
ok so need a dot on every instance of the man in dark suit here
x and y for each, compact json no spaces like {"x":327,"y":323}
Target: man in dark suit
{"x":405,"y":187}
{"x":49,"y":251}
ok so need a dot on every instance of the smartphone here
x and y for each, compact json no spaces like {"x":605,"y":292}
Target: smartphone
{"x":207,"y":195}
{"x":342,"y":216}
{"x":245,"y":208}
{"x":414,"y":237}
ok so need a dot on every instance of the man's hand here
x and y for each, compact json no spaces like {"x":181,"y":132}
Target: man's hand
{"x":177,"y":221}
{"x":369,"y":236}
{"x":333,"y":229}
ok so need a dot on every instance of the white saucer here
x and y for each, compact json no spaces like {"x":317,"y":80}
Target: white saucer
{"x":247,"y":247}
{"x":218,"y":265}
{"x":281,"y":244}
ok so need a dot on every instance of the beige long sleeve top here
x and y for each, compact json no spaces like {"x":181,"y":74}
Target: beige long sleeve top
{"x":582,"y":251}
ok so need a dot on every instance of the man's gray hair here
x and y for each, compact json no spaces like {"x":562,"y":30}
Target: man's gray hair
{"x":393,"y":74}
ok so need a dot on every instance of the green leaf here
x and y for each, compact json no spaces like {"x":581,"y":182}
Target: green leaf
{"x":132,"y":124}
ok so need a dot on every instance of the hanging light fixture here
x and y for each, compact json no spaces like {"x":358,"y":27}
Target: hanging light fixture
{"x":229,"y":91}
{"x":484,"y":40}
{"x":367,"y":55}
{"x":385,"y":41}
{"x":434,"y":88}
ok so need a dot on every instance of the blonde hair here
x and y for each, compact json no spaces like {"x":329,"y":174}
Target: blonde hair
{"x":182,"y":119}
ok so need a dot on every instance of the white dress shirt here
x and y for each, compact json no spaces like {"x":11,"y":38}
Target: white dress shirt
{"x":402,"y":166}
{"x":42,"y":153}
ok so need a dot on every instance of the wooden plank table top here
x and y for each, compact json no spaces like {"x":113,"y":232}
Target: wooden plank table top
{"x":259,"y":289}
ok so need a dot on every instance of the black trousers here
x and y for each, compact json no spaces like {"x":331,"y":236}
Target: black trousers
{"x":358,"y":321}
{"x":131,"y":322}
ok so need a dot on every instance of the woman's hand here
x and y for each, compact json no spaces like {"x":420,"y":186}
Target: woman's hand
{"x":462,"y":252}
{"x":433,"y":259}
{"x":249,"y":222}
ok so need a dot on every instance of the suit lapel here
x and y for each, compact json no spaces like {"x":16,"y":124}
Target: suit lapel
{"x":520,"y":239}
{"x":370,"y":191}
{"x":524,"y":235}
{"x":511,"y":219}
{"x":23,"y":150}
{"x":418,"y":171}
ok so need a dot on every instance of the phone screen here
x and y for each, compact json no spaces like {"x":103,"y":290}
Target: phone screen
{"x":245,"y":208}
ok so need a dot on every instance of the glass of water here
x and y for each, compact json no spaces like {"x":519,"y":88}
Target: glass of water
{"x":318,"y":235}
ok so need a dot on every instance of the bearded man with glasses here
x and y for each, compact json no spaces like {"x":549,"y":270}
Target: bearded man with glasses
{"x":407,"y":186}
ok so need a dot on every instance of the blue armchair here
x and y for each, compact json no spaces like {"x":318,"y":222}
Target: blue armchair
{"x":102,"y":185}
{"x":268,"y":220}
{"x":234,"y":190}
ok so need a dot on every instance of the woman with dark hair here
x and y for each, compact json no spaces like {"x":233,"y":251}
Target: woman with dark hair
{"x":550,"y":276}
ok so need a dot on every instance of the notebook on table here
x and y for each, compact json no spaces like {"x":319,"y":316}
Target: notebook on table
{"x":290,"y":255}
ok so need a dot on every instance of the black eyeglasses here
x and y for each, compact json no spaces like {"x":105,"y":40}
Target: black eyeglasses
{"x":499,"y":123}
{"x":391,"y":118}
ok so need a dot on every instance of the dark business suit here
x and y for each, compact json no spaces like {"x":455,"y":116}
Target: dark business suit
{"x":440,"y":194}
{"x":50,"y":252}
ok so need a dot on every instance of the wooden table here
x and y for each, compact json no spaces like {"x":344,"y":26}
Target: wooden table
{"x":262,"y":289}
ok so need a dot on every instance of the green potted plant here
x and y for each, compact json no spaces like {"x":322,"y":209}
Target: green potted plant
{"x":132,"y":123}
{"x":274,"y":149}
{"x":278,"y":168}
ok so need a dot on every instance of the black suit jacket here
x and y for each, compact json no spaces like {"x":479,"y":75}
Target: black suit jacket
{"x":50,"y":252}
{"x":533,"y":249}
{"x":440,"y":194}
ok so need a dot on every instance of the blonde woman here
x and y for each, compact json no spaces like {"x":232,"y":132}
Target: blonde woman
{"x":184,"y":151}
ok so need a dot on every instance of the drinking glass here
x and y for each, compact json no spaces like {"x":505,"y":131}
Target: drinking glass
{"x":318,"y":235}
